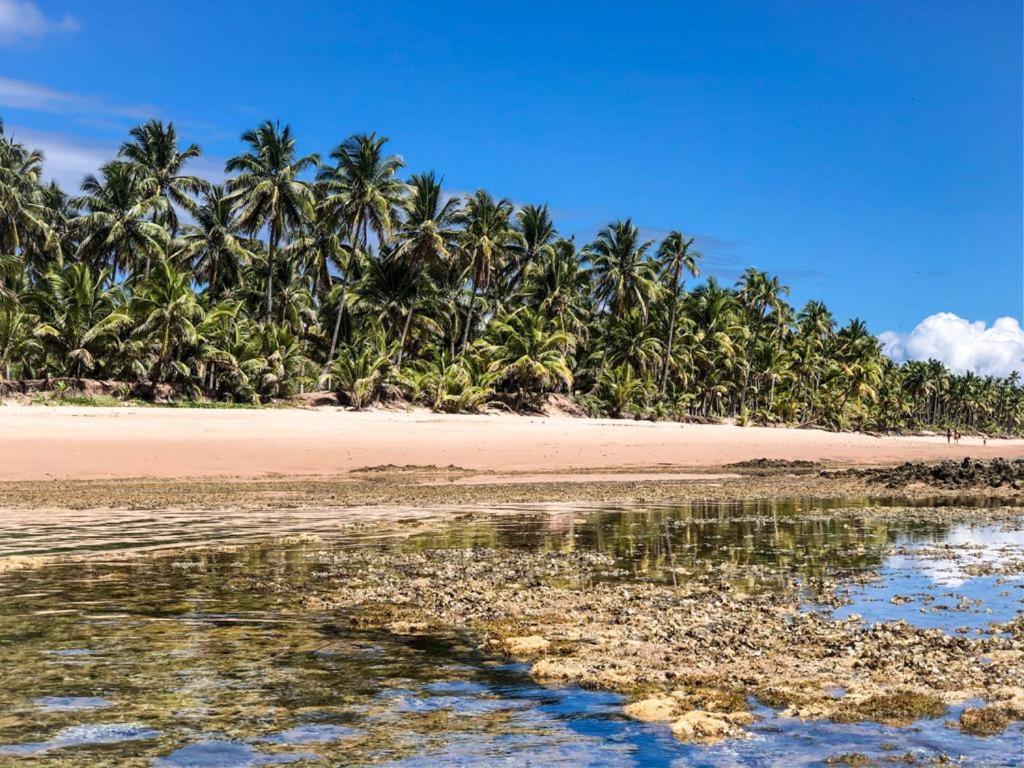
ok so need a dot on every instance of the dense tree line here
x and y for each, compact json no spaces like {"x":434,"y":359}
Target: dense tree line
{"x":302,"y":272}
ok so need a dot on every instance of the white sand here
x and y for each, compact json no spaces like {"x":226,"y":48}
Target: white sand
{"x":38,"y":443}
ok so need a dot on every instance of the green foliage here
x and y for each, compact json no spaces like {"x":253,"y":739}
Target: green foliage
{"x":297,"y":274}
{"x":461,"y":385}
{"x":363,"y":373}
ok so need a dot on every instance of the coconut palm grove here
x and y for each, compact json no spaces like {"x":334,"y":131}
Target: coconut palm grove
{"x":345,"y":273}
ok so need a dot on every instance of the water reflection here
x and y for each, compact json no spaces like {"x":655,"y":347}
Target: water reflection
{"x":167,"y":662}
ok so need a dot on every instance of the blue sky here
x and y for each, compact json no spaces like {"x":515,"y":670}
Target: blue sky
{"x":868,"y":152}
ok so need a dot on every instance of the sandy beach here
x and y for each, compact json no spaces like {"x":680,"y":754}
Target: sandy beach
{"x":88,"y":443}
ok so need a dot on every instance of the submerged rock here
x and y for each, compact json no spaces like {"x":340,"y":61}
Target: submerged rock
{"x":984,"y":721}
{"x":701,"y":645}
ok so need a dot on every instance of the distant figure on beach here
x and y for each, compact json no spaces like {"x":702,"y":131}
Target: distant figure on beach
{"x":956,"y":437}
{"x":949,"y":435}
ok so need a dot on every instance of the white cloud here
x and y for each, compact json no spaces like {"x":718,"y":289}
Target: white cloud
{"x":67,"y":159}
{"x":962,"y":345}
{"x":21,"y":94}
{"x":22,"y":21}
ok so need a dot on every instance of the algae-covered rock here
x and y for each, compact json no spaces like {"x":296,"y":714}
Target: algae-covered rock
{"x":984,"y":721}
{"x":528,"y":645}
{"x":704,"y":727}
{"x":652,"y":710}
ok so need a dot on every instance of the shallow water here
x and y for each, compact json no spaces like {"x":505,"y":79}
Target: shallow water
{"x":163,"y":661}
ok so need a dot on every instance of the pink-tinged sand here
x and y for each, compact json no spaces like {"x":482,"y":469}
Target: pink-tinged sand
{"x":38,"y":443}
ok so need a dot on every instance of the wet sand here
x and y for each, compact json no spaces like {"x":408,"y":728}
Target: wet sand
{"x":85,"y":443}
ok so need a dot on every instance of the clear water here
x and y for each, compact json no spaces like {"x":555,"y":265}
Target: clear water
{"x":162,"y":662}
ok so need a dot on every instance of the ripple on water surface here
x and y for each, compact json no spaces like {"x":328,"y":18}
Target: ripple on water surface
{"x":70,"y":703}
{"x":83,"y":735}
{"x":944,"y":585}
{"x":224,"y":754}
{"x":202,"y":674}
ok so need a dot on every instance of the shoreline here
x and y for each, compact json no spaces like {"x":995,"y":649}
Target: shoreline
{"x":79,"y":458}
{"x":75,"y":443}
{"x":439,"y":488}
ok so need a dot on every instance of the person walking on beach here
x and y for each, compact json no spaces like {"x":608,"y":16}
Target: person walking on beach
{"x":949,"y":435}
{"x":956,"y":437}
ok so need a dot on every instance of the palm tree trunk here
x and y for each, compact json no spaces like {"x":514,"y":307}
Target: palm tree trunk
{"x":668,"y":347}
{"x":469,"y":320}
{"x":405,"y":333}
{"x":337,"y":329}
{"x":164,"y":354}
{"x":213,"y":280}
{"x":271,"y":252}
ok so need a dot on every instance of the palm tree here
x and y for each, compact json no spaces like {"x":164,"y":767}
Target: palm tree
{"x":441,"y":301}
{"x":269,"y":190}
{"x":114,"y":228}
{"x":214,"y":244}
{"x":487,"y":238}
{"x":631,"y":340}
{"x":365,"y":373}
{"x":620,"y":388}
{"x":276,"y":361}
{"x":529,"y":354}
{"x":80,"y":314}
{"x":364,"y":187}
{"x":58,"y":238}
{"x":22,"y":207}
{"x":10,"y":270}
{"x":426,"y":238}
{"x":538,"y":230}
{"x":557,"y":285}
{"x":760,"y":295}
{"x":153,"y":150}
{"x":168,"y":313}
{"x":718,"y":339}
{"x":327,"y":260}
{"x":624,"y":277}
{"x":18,"y":340}
{"x":675,"y":253}
{"x":388,"y":292}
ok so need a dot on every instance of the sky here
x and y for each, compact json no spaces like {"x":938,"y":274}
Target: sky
{"x":869,"y":153}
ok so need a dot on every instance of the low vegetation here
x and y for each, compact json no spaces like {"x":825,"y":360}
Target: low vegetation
{"x":338,"y":273}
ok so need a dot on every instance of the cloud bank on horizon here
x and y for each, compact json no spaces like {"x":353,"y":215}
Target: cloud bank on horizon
{"x":963,"y":345}
{"x":21,"y":21}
